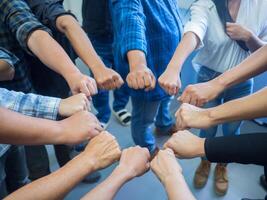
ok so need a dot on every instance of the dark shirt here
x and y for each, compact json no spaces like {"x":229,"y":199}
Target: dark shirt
{"x":244,"y":149}
{"x":96,"y":17}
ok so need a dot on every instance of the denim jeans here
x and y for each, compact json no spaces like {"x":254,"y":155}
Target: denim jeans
{"x":103,"y":47}
{"x":13,"y":170}
{"x":240,"y":90}
{"x":144,"y":114}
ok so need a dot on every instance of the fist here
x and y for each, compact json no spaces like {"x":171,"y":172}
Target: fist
{"x":79,"y":127}
{"x":238,"y":32}
{"x":108,"y":79}
{"x":73,"y":104}
{"x":186,"y":145}
{"x":189,"y":116}
{"x":141,"y":78}
{"x":135,"y":160}
{"x":170,"y":82}
{"x":103,"y":150}
{"x":165,"y":166}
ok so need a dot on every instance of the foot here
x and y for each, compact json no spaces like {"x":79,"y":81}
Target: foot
{"x":263,"y":182}
{"x":202,"y":174}
{"x":172,"y":130}
{"x":123,"y":116}
{"x":221,"y":179}
{"x":92,"y":178}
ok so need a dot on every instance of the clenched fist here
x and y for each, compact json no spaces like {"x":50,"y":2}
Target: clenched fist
{"x":103,"y":150}
{"x":170,"y":81}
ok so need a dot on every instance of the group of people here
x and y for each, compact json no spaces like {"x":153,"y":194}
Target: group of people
{"x":136,"y":48}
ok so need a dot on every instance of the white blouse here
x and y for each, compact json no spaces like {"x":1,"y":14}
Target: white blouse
{"x":217,"y":51}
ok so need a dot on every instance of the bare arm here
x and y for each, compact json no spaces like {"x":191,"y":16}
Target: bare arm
{"x":58,"y":184}
{"x":6,"y":71}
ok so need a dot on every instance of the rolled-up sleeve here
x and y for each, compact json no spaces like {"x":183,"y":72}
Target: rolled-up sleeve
{"x":47,"y":11}
{"x":198,"y":23}
{"x":20,"y":20}
{"x":8,"y":57}
{"x":129,"y":22}
{"x":30,"y":104}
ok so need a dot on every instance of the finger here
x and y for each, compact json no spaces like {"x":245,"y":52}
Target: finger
{"x":134,"y":83}
{"x":88,"y":104}
{"x":153,"y":82}
{"x":193,"y":101}
{"x":141,"y":82}
{"x":84,"y":89}
{"x":147,"y":80}
{"x":187,"y":99}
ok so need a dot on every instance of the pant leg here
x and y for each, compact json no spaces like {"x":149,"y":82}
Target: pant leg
{"x":62,"y":154}
{"x":164,"y":120}
{"x":121,"y":97}
{"x":37,"y":161}
{"x":143,"y":115}
{"x":101,"y":104}
{"x":235,"y":92}
{"x":16,"y":169}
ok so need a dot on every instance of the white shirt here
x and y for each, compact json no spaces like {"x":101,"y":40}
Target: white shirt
{"x":217,"y":51}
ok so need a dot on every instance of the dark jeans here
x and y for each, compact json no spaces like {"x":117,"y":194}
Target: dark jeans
{"x":13,"y":170}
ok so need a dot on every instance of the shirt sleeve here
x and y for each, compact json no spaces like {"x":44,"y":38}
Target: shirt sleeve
{"x":8,"y":57}
{"x":129,"y":23}
{"x":244,"y":149}
{"x":30,"y":104}
{"x":47,"y":11}
{"x":20,"y":20}
{"x":198,"y":23}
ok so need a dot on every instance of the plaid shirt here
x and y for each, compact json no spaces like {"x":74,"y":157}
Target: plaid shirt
{"x":16,"y":24}
{"x":154,"y":27}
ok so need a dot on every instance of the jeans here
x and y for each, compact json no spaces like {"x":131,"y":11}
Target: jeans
{"x":240,"y":90}
{"x":13,"y":170}
{"x":103,"y":47}
{"x":144,"y":114}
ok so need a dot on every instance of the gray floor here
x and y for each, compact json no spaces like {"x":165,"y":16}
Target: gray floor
{"x":244,"y":179}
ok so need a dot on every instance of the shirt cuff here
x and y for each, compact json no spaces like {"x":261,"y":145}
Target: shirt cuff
{"x":48,"y":107}
{"x":134,"y":44}
{"x":194,"y":28}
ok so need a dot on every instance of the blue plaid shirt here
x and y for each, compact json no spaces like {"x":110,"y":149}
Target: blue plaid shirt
{"x":27,"y":104}
{"x":17,"y":22}
{"x":154,"y":27}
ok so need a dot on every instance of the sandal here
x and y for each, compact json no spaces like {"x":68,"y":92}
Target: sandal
{"x":123,"y":116}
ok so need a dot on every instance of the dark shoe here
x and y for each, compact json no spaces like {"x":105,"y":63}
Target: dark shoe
{"x":202,"y":174}
{"x":221,"y":179}
{"x":92,"y":178}
{"x":171,"y":131}
{"x":263,"y":182}
{"x":154,"y":153}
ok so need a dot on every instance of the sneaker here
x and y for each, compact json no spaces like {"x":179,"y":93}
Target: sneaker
{"x":123,"y":116}
{"x":221,"y":179}
{"x":263,"y":182}
{"x":202,"y":174}
{"x":171,"y":131}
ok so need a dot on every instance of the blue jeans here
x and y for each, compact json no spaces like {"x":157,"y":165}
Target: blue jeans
{"x":144,"y":114}
{"x":103,"y":47}
{"x":240,"y":90}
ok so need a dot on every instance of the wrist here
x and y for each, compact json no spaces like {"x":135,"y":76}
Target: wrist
{"x":172,"y":179}
{"x":96,"y":67}
{"x":125,"y":172}
{"x":248,"y":36}
{"x":174,"y":68}
{"x":136,"y":67}
{"x":201,"y":147}
{"x":59,"y":133}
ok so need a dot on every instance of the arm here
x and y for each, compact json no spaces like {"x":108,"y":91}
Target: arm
{"x":244,"y":149}
{"x":7,"y":72}
{"x":102,"y":151}
{"x":134,"y":162}
{"x":169,"y":172}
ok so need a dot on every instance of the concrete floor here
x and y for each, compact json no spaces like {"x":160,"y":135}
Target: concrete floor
{"x":244,"y":179}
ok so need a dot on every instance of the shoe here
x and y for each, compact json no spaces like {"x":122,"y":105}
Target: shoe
{"x":263,"y":181}
{"x":202,"y":174}
{"x":154,"y":153}
{"x":123,"y":116}
{"x":92,"y":178}
{"x":221,"y":179}
{"x":171,"y":131}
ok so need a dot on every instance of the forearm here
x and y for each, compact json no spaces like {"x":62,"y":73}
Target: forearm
{"x":56,"y":185}
{"x":136,"y":58}
{"x":177,"y":188}
{"x":244,"y":149}
{"x":250,"y":107}
{"x":108,"y":189}
{"x":250,"y":67}
{"x":51,"y":53}
{"x":6,"y":71}
{"x":68,"y":25}
{"x":27,"y":130}
{"x":254,"y":43}
{"x":188,"y":44}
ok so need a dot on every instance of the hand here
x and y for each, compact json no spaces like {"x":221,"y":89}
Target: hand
{"x":73,"y":104}
{"x":79,"y":127}
{"x":165,"y":166}
{"x":186,"y":145}
{"x":237,"y":32}
{"x":201,"y":93}
{"x":170,"y":81}
{"x":135,"y":161}
{"x":107,"y":78}
{"x":188,"y":116}
{"x":141,"y":77}
{"x":80,"y":83}
{"x":103,"y":150}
